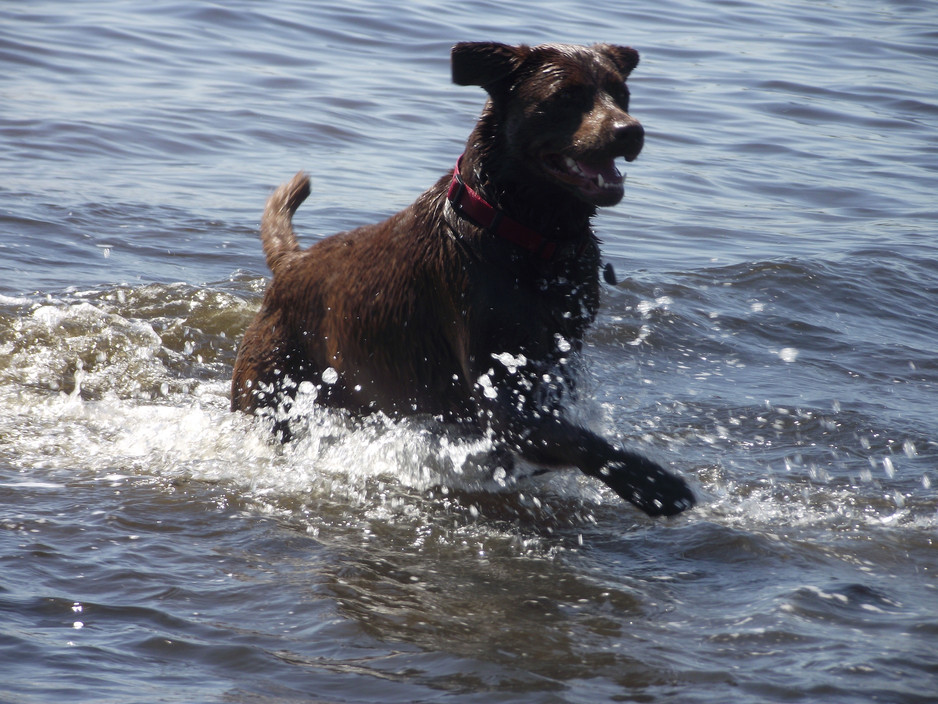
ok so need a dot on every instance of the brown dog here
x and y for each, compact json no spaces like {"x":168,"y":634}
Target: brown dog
{"x":469,"y":304}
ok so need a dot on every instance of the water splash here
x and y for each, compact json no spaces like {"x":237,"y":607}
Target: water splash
{"x":134,"y":380}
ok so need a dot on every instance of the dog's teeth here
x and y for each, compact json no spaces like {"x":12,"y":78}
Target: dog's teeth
{"x":600,"y":181}
{"x":571,"y":164}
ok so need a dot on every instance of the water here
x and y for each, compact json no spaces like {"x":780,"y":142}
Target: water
{"x":772,"y":339}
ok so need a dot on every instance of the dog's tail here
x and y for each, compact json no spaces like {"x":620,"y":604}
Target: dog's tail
{"x":277,"y":235}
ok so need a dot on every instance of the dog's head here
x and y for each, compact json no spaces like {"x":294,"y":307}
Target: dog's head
{"x":561,"y":112}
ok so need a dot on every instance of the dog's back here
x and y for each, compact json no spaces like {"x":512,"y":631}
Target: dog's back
{"x":368,"y":316}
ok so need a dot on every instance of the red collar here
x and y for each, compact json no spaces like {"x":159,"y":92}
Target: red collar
{"x":470,"y":205}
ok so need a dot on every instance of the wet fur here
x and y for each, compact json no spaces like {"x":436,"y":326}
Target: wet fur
{"x":415,"y":311}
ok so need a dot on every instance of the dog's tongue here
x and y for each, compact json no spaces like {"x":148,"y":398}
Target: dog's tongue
{"x":601,"y":171}
{"x":595,"y":180}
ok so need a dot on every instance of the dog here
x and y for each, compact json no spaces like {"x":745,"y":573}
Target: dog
{"x":471,"y":304}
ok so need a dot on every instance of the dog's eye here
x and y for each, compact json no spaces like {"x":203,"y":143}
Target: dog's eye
{"x":568,"y":99}
{"x":620,"y":93}
{"x":580,"y":96}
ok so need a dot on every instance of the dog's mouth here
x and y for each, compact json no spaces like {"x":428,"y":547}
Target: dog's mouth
{"x":596,"y":181}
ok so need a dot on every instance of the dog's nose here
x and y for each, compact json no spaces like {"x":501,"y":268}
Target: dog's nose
{"x":629,"y":135}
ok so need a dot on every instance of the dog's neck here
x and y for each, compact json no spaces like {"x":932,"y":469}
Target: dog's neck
{"x":468,"y":204}
{"x":552,"y":242}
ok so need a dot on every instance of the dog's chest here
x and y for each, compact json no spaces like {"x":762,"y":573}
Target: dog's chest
{"x":568,"y":306}
{"x":532,"y":313}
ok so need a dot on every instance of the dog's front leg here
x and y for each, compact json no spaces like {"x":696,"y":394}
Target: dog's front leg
{"x":543,"y":436}
{"x":637,"y":479}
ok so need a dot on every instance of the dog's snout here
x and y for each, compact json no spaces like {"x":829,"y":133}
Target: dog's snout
{"x":629,"y":135}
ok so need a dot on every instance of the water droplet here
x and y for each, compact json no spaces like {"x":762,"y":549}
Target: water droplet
{"x":889,"y":467}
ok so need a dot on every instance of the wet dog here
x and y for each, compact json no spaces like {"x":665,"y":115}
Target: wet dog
{"x":470,"y":304}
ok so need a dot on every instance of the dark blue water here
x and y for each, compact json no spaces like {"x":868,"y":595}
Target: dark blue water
{"x":772,"y":338}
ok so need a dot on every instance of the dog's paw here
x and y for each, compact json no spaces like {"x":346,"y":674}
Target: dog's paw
{"x":648,"y":486}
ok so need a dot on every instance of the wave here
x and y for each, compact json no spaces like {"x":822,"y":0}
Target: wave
{"x":127,"y":379}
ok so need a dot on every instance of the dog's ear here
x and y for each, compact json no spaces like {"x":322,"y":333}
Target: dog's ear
{"x":625,"y":58}
{"x":485,"y":63}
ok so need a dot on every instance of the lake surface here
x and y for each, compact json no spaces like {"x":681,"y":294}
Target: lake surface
{"x":773,"y":339}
